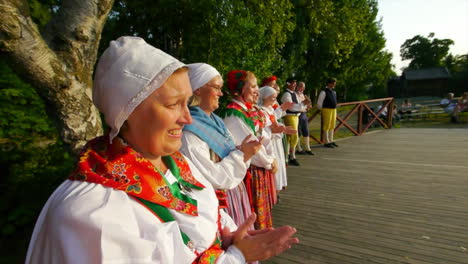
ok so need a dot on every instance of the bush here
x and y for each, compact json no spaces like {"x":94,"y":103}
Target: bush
{"x":33,"y":159}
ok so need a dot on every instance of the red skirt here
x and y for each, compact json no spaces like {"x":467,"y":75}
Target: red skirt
{"x":262,"y":194}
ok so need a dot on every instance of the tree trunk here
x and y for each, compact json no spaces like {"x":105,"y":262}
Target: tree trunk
{"x":59,"y":62}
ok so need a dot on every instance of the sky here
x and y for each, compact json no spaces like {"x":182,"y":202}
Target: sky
{"x":404,"y":19}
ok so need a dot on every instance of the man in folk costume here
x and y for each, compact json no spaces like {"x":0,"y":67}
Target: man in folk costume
{"x":303,"y":128}
{"x":242,"y":119}
{"x":209,"y":145}
{"x":326,"y":103}
{"x":133,"y":198}
{"x":292,"y":118}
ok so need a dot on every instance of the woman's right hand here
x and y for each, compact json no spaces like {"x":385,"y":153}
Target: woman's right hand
{"x":263,"y":244}
{"x":274,"y":166}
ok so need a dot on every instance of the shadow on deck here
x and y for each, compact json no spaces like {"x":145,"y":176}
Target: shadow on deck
{"x":396,"y":196}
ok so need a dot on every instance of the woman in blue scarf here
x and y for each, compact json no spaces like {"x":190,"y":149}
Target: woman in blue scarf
{"x":208,"y":143}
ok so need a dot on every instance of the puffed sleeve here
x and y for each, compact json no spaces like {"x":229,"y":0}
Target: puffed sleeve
{"x":239,"y":130}
{"x":88,"y":223}
{"x":226,"y":174}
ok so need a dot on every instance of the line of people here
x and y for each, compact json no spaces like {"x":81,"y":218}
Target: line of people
{"x":169,"y":182}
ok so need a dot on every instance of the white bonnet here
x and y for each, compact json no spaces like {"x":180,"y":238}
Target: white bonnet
{"x":200,"y":74}
{"x":265,"y":92}
{"x":128,"y":71}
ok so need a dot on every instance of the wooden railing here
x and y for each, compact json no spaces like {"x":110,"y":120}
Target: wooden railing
{"x":360,"y":107}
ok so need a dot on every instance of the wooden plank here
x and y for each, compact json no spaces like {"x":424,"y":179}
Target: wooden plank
{"x":397,"y":196}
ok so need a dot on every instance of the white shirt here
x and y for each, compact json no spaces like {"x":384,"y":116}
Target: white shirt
{"x":450,"y":104}
{"x":226,"y":174}
{"x":299,"y":107}
{"x":320,"y":99}
{"x":384,"y":112}
{"x":88,"y":223}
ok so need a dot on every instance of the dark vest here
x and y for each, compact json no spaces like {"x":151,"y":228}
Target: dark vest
{"x":294,"y":99}
{"x":330,"y":99}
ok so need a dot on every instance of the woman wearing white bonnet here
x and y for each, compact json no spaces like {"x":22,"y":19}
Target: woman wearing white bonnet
{"x":266,"y":99}
{"x":133,"y":198}
{"x":209,"y":145}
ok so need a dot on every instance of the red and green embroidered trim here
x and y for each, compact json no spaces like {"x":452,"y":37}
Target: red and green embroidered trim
{"x":237,"y":110}
{"x":120,"y":167}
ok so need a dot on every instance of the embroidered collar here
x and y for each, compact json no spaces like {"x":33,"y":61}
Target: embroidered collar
{"x":119,"y":166}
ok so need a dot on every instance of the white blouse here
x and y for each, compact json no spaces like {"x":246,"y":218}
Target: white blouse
{"x":225,"y":174}
{"x":239,"y":130}
{"x":89,"y":223}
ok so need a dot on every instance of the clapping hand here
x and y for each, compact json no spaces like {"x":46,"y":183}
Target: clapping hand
{"x":277,"y":128}
{"x":250,"y":147}
{"x":289,"y":130}
{"x":260,"y":244}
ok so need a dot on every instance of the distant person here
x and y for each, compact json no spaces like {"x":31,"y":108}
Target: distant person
{"x":326,"y":103}
{"x":396,"y":116}
{"x":292,"y":118}
{"x":449,"y":104}
{"x":462,"y":106}
{"x":405,"y":109}
{"x":382,"y":114}
{"x":303,"y":128}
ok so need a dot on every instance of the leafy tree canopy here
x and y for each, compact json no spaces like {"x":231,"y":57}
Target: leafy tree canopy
{"x":425,"y":52}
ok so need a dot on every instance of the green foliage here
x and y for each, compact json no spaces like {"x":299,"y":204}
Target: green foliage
{"x":33,"y":159}
{"x":309,"y":39}
{"x":340,"y":39}
{"x":41,"y":11}
{"x":228,"y":34}
{"x":425,"y":52}
{"x":458,"y":67}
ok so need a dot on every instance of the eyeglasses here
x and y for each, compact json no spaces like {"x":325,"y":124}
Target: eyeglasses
{"x":216,"y":87}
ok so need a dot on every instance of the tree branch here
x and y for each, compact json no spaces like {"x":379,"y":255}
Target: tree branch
{"x":60,"y":65}
{"x":75,"y":32}
{"x":22,"y":43}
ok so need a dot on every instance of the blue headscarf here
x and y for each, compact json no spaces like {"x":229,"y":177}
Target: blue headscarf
{"x":212,"y":130}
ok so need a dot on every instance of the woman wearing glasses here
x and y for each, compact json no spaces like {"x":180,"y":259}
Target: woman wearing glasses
{"x":209,"y":144}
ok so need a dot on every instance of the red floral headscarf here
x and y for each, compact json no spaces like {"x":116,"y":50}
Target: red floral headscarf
{"x":235,"y":81}
{"x":268,"y":79}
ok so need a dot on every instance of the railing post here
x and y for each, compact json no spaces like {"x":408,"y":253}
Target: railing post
{"x":359,"y":124}
{"x":390,"y":114}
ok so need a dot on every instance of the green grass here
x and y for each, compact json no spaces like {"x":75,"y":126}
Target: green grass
{"x":432,"y":121}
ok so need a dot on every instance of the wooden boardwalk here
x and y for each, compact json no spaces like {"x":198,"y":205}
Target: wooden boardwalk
{"x":396,"y":196}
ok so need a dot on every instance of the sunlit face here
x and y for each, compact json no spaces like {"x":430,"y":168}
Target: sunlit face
{"x":209,"y":94}
{"x":270,"y":100}
{"x":276,"y":87}
{"x":292,"y":86}
{"x":300,"y":88}
{"x":154,"y":128}
{"x":250,"y":91}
